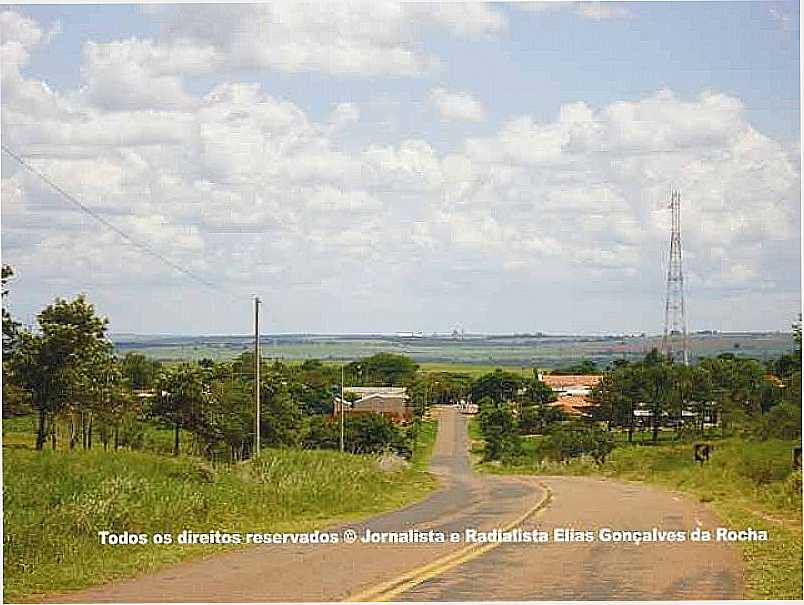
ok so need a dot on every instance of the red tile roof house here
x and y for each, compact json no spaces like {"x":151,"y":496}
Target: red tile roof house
{"x":572,"y":391}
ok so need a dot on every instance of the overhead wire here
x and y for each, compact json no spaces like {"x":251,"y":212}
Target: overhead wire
{"x":111,"y":226}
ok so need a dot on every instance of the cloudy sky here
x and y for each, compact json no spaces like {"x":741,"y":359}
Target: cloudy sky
{"x":382,"y":167}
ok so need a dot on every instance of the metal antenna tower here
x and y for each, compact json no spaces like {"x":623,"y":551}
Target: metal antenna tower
{"x":674,"y":340}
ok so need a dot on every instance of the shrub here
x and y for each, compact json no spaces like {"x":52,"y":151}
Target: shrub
{"x":762,"y":464}
{"x":367,"y":433}
{"x":576,"y":439}
{"x":783,"y":421}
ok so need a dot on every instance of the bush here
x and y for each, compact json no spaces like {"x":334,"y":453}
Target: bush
{"x":762,"y":464}
{"x":783,"y":421}
{"x":367,"y":433}
{"x":576,"y":439}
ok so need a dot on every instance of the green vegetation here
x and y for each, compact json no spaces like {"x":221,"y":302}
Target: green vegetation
{"x":512,"y":406}
{"x":474,"y":355}
{"x":750,"y":415}
{"x":56,"y":502}
{"x":94,"y":442}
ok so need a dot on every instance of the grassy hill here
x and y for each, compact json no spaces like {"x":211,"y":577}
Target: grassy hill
{"x":56,"y":502}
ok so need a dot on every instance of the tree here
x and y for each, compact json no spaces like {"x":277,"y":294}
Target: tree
{"x":499,"y":428}
{"x":538,"y":392}
{"x":140,"y":371}
{"x":232,"y":418}
{"x":657,"y":384}
{"x":180,"y":399}
{"x":539,"y":418}
{"x":388,"y":369}
{"x":112,"y":401}
{"x":584,"y":366}
{"x":281,"y":418}
{"x":10,"y":326}
{"x":497,"y":385}
{"x":16,"y":400}
{"x":51,"y":364}
{"x":535,"y":412}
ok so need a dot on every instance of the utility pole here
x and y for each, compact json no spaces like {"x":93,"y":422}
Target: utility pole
{"x":257,"y":374}
{"x":674,"y":340}
{"x":342,"y":402}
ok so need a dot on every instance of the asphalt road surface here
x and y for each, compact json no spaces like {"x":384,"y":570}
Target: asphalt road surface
{"x":464,"y":571}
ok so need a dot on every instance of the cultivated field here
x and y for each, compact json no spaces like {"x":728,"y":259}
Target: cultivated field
{"x":454,"y":353}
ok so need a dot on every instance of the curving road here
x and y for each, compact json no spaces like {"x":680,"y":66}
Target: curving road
{"x":469,"y":572}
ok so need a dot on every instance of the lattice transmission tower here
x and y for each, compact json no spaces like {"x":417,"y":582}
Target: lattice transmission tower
{"x":674,"y":340}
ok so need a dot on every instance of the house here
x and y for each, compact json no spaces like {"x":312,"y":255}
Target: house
{"x":393,"y":406}
{"x":572,"y":390}
{"x":388,"y":401}
{"x":574,"y":405}
{"x":571,"y":384}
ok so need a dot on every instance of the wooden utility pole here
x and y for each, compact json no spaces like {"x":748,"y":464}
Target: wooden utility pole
{"x":257,"y":374}
{"x":342,"y":410}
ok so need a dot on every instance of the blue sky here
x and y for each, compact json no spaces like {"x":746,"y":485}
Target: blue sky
{"x":499,"y":148}
{"x":548,"y":58}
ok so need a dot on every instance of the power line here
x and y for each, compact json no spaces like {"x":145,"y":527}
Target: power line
{"x":94,"y":214}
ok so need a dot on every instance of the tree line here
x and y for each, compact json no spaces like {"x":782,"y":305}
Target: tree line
{"x":67,"y":373}
{"x":716,"y":397}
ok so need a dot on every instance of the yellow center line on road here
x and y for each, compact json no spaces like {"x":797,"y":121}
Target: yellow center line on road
{"x":388,"y":590}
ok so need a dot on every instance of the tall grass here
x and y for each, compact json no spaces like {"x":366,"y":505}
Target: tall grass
{"x":55,"y":503}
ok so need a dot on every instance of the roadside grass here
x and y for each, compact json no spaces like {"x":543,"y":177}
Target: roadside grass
{"x":746,"y":483}
{"x":56,"y":502}
{"x":425,"y":442}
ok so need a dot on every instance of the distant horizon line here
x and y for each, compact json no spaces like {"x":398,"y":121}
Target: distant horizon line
{"x":415,"y":335}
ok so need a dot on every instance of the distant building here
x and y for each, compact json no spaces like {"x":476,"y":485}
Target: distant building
{"x":388,"y":401}
{"x":573,"y":391}
{"x":573,"y":405}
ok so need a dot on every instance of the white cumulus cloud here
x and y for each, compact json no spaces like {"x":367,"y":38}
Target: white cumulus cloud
{"x":457,"y":105}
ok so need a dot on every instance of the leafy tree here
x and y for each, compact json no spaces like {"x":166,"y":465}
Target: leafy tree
{"x":388,"y":369}
{"x":584,"y":366}
{"x":16,"y":400}
{"x":232,"y":419}
{"x":539,"y":418}
{"x":499,"y":428}
{"x":10,"y":326}
{"x":537,"y":391}
{"x":280,"y":416}
{"x":243,"y":365}
{"x":140,"y":371}
{"x":112,"y":402}
{"x":50,"y":365}
{"x":498,"y":386}
{"x":181,"y":399}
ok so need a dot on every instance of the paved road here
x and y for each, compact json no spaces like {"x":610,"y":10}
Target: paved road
{"x":461,"y":572}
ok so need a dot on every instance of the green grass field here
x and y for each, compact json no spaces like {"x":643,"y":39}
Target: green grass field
{"x":511,"y":352}
{"x":747,"y":483}
{"x":56,"y":502}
